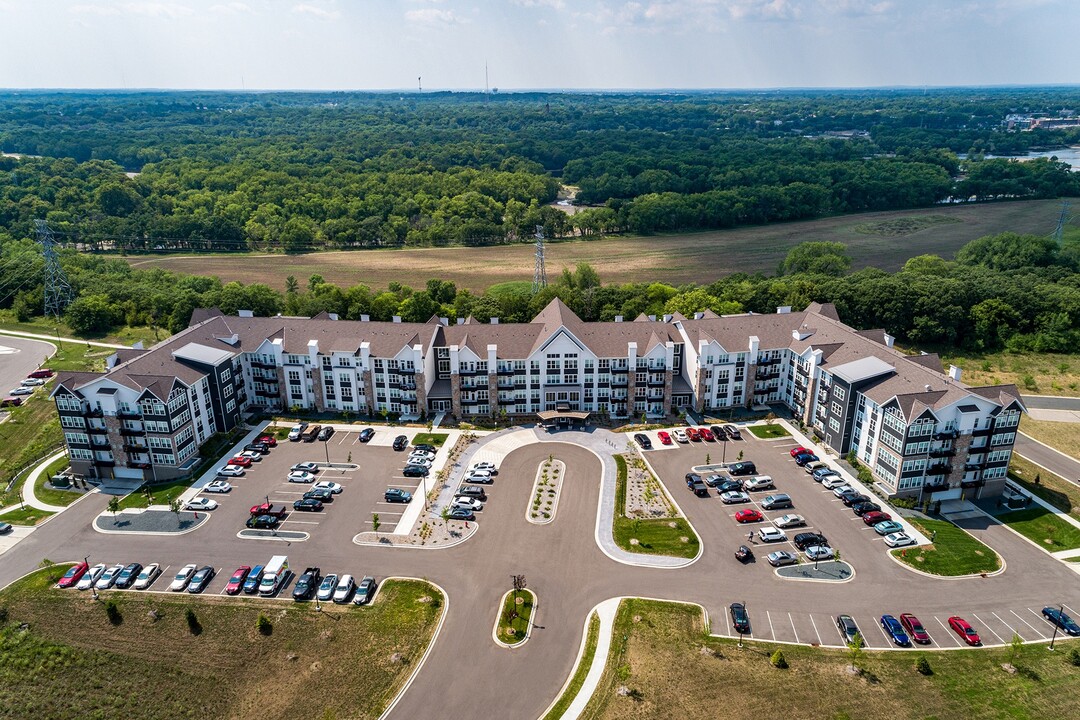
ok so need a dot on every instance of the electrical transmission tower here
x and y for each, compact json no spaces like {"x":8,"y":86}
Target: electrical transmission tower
{"x":539,"y":272}
{"x":58,"y":292}
{"x":1063,"y":219}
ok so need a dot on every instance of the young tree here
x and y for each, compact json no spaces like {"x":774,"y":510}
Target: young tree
{"x":375,"y":524}
{"x":855,"y":650}
{"x":114,"y":506}
{"x":519,"y":585}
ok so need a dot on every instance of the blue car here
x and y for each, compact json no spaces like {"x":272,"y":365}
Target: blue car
{"x":887,"y":527}
{"x":895,"y":630}
{"x":804,"y":458}
{"x":1056,"y":617}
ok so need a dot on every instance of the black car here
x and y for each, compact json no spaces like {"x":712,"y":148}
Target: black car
{"x":473,"y":491}
{"x":322,"y":495}
{"x":307,"y":584}
{"x":460,"y":514}
{"x":808,"y":539}
{"x":743,"y":554}
{"x":200,"y":579}
{"x":397,"y":495}
{"x":1056,"y":617}
{"x":262,"y":522}
{"x":853,"y":499}
{"x":401,"y":442}
{"x":698,"y":487}
{"x":732,"y":432}
{"x":739,"y":619}
{"x":128,"y":575}
{"x":718,"y":433}
{"x":308,"y":504}
{"x":426,"y":448}
{"x":692,"y":478}
{"x":849,"y":631}
{"x":729,"y":485}
{"x":366,"y":434}
{"x":804,"y":458}
{"x":643,"y":440}
{"x":326,"y":433}
{"x":745,"y":467}
{"x":862,"y":508}
{"x":261,"y":448}
{"x":414,"y":471}
{"x":365,"y":590}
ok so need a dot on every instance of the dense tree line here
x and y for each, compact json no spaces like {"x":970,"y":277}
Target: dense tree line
{"x":303,"y":171}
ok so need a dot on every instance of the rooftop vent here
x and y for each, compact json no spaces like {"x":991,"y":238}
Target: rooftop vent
{"x":783,"y":310}
{"x":954,"y":373}
{"x":927,"y":388}
{"x":618,"y":318}
{"x":245,"y":313}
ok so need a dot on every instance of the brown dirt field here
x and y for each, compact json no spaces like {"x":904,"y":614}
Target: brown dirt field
{"x":675,"y":259}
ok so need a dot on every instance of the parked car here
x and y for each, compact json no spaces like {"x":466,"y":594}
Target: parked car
{"x":21,"y":390}
{"x":895,"y":631}
{"x":147,"y":577}
{"x":734,"y":496}
{"x":743,"y":553}
{"x":251,"y":584}
{"x":397,"y":495}
{"x":297,"y":431}
{"x":774,"y":502}
{"x":806,"y":539}
{"x":306,"y":584}
{"x":742,"y":468}
{"x":308,"y":467}
{"x":241,"y":461}
{"x":333,"y":487}
{"x":841,"y":490}
{"x":468,"y":503}
{"x":781,"y":557}
{"x":322,"y":495}
{"x":473,"y":491}
{"x":822,"y":473}
{"x":268,"y":440}
{"x":643,"y":441}
{"x":200,"y":579}
{"x":278,"y":510}
{"x":311,"y":434}
{"x":458,"y":513}
{"x":810,"y":467}
{"x":786,"y":521}
{"x":1056,"y":616}
{"x":680,"y":436}
{"x":325,"y":593}
{"x":91,"y":576}
{"x":480,"y":477}
{"x":834,"y":481}
{"x":400,"y":443}
{"x":740,"y":620}
{"x":344,"y":590}
{"x":820,"y":552}
{"x":853,"y":499}
{"x":693,"y":434}
{"x":428,"y":447}
{"x":728,"y":485}
{"x":308,"y":505}
{"x":967,"y":633}
{"x":262,"y":522}
{"x":914,"y":628}
{"x":664,"y":436}
{"x":862,"y":508}
{"x":849,"y":631}
{"x":300,"y":476}
{"x":758,"y":482}
{"x":421,"y":460}
{"x":417,"y":471}
{"x":73,"y":575}
{"x":771,"y":534}
{"x":875,"y":517}
{"x":732,"y":432}
{"x":802,"y":460}
{"x":692,"y":478}
{"x":230,"y":471}
{"x":236,"y":582}
{"x":252,"y":455}
{"x":42,"y":373}
{"x":718,"y":433}
{"x":887,"y":527}
{"x":325,"y":433}
{"x":32,"y":382}
{"x":365,"y":435}
{"x":108,"y":578}
{"x":749,"y":515}
{"x":484,"y":467}
{"x":797,"y":450}
{"x":183,"y":577}
{"x":898,"y":539}
{"x":706,"y":434}
{"x":202,"y":503}
{"x":11,"y":402}
{"x":218,"y":486}
{"x":714,"y":480}
{"x":365,"y":591}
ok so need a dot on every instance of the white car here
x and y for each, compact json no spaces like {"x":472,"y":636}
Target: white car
{"x":344,"y":589}
{"x":252,"y":455}
{"x":306,"y":467}
{"x":202,"y":503}
{"x":758,"y":482}
{"x":422,"y":453}
{"x":467,"y":503}
{"x":899,"y":539}
{"x":833,"y":481}
{"x":296,"y":431}
{"x":32,"y":382}
{"x":819,"y":552}
{"x":785,"y":521}
{"x":230,"y":471}
{"x":21,"y":390}
{"x":147,"y":576}
{"x":299,"y":476}
{"x":327,"y":587}
{"x":771,"y":535}
{"x":90,"y":577}
{"x":217,"y":486}
{"x":842,"y":490}
{"x":734,"y":496}
{"x":680,"y":436}
{"x":108,"y":578}
{"x":490,"y":467}
{"x":327,"y":485}
{"x":182,"y":578}
{"x":425,"y":461}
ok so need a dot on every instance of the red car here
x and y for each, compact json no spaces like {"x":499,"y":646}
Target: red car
{"x":73,"y":575}
{"x":966,"y":632}
{"x":268,"y":440}
{"x":11,"y":402}
{"x":244,"y":462}
{"x":706,"y":434}
{"x":693,"y":434}
{"x":873,"y":518}
{"x":915,"y":629}
{"x":41,"y":373}
{"x":236,"y":582}
{"x":665,"y":438}
{"x":798,"y":451}
{"x":748,"y":515}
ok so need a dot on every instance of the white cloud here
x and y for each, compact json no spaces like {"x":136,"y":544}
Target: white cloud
{"x":232,"y":8}
{"x":316,"y":11}
{"x":434,"y":16}
{"x":158,"y":9}
{"x":553,"y":4}
{"x":88,"y":9}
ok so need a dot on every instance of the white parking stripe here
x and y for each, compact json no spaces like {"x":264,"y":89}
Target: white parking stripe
{"x":771,"y":630}
{"x":1069,"y":609}
{"x":948,"y":631}
{"x":299,"y":522}
{"x":793,"y":630}
{"x":1040,"y":616}
{"x":1028,"y":624}
{"x":816,"y":630}
{"x":727,"y":624}
{"x":888,"y":640}
{"x":986,"y":626}
{"x":1003,"y":622}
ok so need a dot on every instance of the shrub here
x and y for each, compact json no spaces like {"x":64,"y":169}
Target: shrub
{"x":3,"y":615}
{"x":113,"y":612}
{"x":263,"y":625}
{"x":1074,"y":657}
{"x":192,"y":622}
{"x":778,"y":660}
{"x":923,"y":666}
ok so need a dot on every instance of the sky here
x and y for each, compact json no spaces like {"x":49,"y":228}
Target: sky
{"x":530,"y":44}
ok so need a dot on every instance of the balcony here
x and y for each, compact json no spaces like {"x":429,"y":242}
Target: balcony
{"x":129,"y":415}
{"x":93,"y":413}
{"x":947,"y":435}
{"x":942,"y":452}
{"x":766,"y":362}
{"x":656,"y":383}
{"x":968,"y":484}
{"x":138,"y":465}
{"x":969,"y":466}
{"x":939,"y":470}
{"x":467,"y":371}
{"x":263,"y":365}
{"x":982,"y":432}
{"x":936,"y":487}
{"x":266,"y":394}
{"x":406,"y":371}
{"x":128,"y":448}
{"x":474,"y":401}
{"x":769,"y":374}
{"x":505,"y":371}
{"x":130,"y":432}
{"x":503,"y":385}
{"x":620,"y":383}
{"x":104,"y":463}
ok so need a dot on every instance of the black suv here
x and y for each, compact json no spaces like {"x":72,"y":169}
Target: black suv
{"x":718,"y":433}
{"x":643,"y":440}
{"x":742,"y":468}
{"x":401,"y":442}
{"x":306,"y":584}
{"x":326,"y":433}
{"x":853,"y":499}
{"x":862,"y":508}
{"x":809,"y":539}
{"x":473,"y":491}
{"x":698,"y":487}
{"x":739,"y":619}
{"x":414,"y":471}
{"x":366,"y":434}
{"x":732,"y":432}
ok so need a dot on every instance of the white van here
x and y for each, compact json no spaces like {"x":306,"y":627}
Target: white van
{"x":274,"y":575}
{"x":758,"y":482}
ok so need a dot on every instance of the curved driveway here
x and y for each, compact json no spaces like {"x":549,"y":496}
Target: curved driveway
{"x":467,"y":674}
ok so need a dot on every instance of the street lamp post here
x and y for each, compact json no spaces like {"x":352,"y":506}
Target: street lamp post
{"x":1061,"y":610}
{"x":326,"y":447}
{"x":93,"y":585}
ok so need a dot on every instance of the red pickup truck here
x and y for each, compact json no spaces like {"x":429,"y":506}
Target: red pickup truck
{"x":274,"y":510}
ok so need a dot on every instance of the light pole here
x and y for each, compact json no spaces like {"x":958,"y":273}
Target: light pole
{"x":326,"y":447}
{"x":93,"y":585}
{"x":1061,"y":610}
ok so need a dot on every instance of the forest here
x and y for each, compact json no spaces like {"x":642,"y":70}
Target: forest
{"x":297,"y":172}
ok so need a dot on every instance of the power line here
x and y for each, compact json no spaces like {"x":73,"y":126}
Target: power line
{"x":58,"y":292}
{"x":540,"y":269}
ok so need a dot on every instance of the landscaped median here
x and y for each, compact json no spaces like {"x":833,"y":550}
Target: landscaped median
{"x":670,"y":535}
{"x":67,"y":655}
{"x":769,"y":431}
{"x":514,"y":622}
{"x":547,"y":488}
{"x":952,"y":553}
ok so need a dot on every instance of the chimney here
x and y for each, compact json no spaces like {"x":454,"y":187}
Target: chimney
{"x":333,"y":316}
{"x":494,"y":321}
{"x":783,"y":310}
{"x":954,"y":373}
{"x":618,"y":318}
{"x":889,"y":340}
{"x":444,"y":321}
{"x":365,"y":318}
{"x":653,"y":318}
{"x":699,"y":315}
{"x":927,"y":388}
{"x":245,"y":313}
{"x":461,"y":321}
{"x":397,"y":318}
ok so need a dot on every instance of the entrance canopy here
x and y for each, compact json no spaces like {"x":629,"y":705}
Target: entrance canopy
{"x":562,"y":416}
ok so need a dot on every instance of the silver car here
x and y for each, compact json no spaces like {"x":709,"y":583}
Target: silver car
{"x":326,"y":588}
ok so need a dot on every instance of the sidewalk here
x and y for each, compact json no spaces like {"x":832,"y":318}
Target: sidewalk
{"x":28,"y":486}
{"x":54,"y":338}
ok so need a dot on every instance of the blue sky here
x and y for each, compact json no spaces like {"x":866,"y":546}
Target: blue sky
{"x":387,"y":44}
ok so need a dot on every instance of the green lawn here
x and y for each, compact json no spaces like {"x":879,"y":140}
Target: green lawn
{"x":54,"y":496}
{"x":662,"y":665}
{"x":72,"y":662}
{"x":1044,"y":528}
{"x":583,"y":667}
{"x":25,"y":516}
{"x":655,"y":536}
{"x":1057,"y":491}
{"x":51,"y":327}
{"x":514,"y":631}
{"x":436,"y":439}
{"x":161,"y":494}
{"x":953,"y":552}
{"x":769,"y":432}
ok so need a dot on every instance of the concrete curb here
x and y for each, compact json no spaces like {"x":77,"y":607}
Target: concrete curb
{"x":976,"y":576}
{"x":558,"y":493}
{"x":434,"y":637}
{"x":473,"y":528}
{"x":166,"y":533}
{"x":498,"y":617}
{"x":849,"y":578}
{"x":28,"y":486}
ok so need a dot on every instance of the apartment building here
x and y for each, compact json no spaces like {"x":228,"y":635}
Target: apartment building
{"x":920,"y":430}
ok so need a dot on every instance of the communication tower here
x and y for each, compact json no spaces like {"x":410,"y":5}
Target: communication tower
{"x":539,"y":272}
{"x":58,"y":292}
{"x":1063,"y":219}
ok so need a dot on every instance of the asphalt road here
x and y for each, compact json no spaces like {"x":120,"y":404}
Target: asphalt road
{"x":19,"y":357}
{"x":467,"y":673}
{"x":1047,"y":457}
{"x":1051,"y":402}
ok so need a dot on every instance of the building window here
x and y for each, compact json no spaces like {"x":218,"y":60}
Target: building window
{"x":838,"y":392}
{"x":1003,"y":439}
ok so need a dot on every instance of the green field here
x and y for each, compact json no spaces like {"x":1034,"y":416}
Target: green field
{"x":53,"y":496}
{"x":659,"y":536}
{"x":952,"y":553}
{"x":1044,"y":528}
{"x":73,"y":662}
{"x":161,"y":494}
{"x":437,"y":439}
{"x":663,"y":665}
{"x":1057,"y":491}
{"x":769,"y":432}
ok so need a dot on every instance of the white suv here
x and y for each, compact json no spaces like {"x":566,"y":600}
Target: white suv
{"x":758,"y":482}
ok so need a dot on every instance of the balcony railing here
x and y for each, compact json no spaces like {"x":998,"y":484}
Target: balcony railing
{"x":263,"y":365}
{"x":939,"y":470}
{"x":134,"y":448}
{"x":139,"y":465}
{"x":947,"y":435}
{"x":967,"y":484}
{"x":405,"y":371}
{"x":467,"y":371}
{"x":505,"y":371}
{"x":936,"y":487}
{"x":131,"y":432}
{"x":942,"y":452}
{"x":104,"y":463}
{"x":93,"y":413}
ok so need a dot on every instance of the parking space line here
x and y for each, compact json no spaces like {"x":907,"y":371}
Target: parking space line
{"x":1068,"y":608}
{"x":1038,"y":615}
{"x":888,"y":640}
{"x":727,"y":624}
{"x":987,"y":626}
{"x":1028,"y":624}
{"x":819,"y":642}
{"x":345,"y":435}
{"x":771,"y":630}
{"x":948,"y":632}
{"x":1003,"y":622}
{"x":300,"y":522}
{"x":793,"y":630}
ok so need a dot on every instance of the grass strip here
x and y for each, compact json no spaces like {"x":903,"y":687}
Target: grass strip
{"x":953,"y":552}
{"x":769,"y":432}
{"x":1043,"y":527}
{"x":1054,"y":489}
{"x":592,"y":639}
{"x":436,"y":439}
{"x":514,"y":616}
{"x":655,"y":536}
